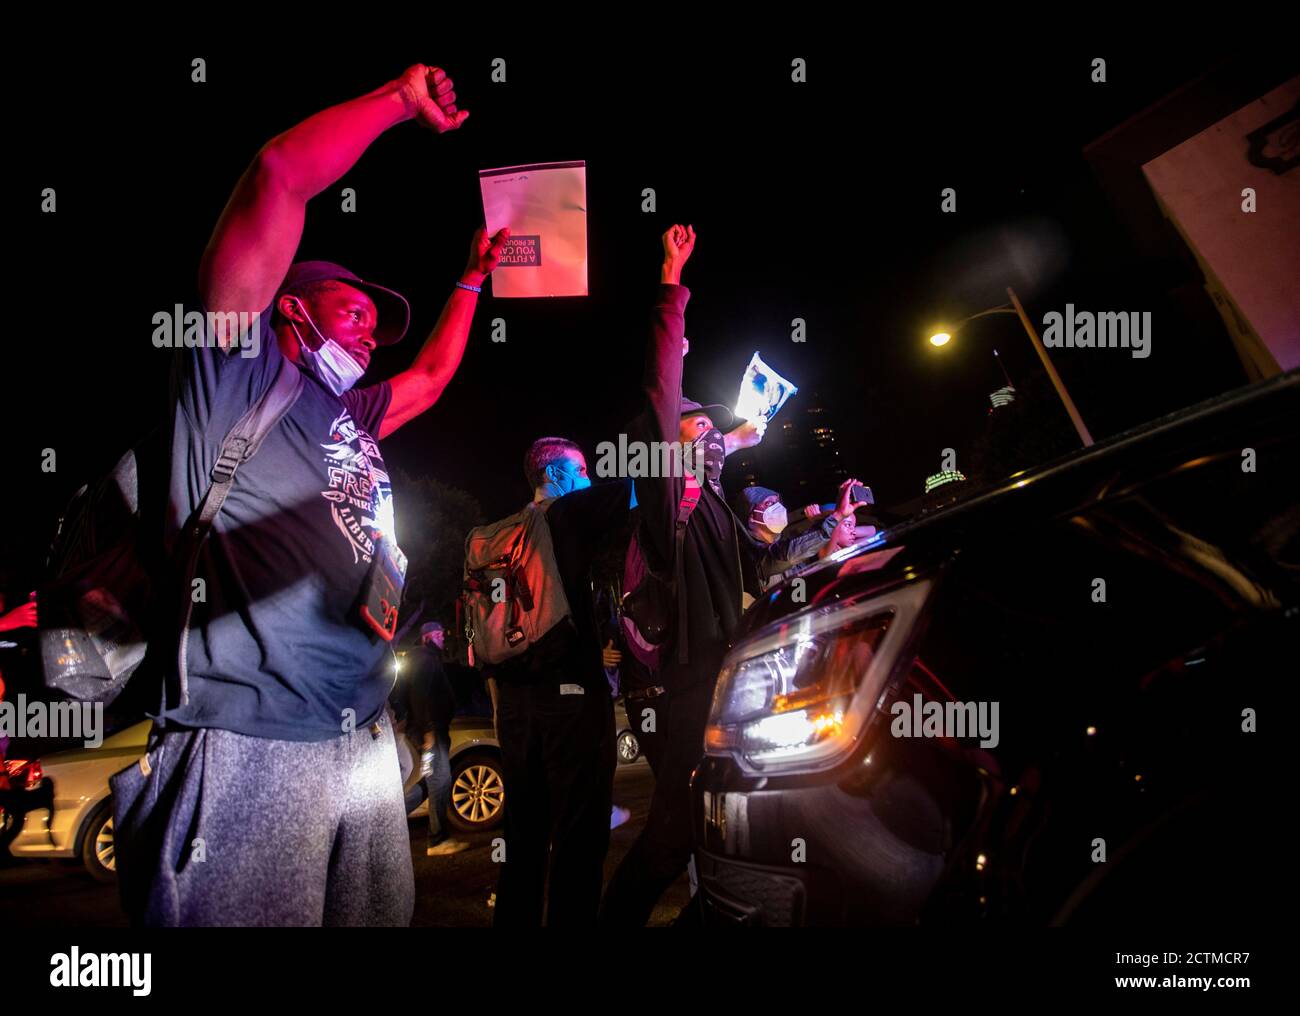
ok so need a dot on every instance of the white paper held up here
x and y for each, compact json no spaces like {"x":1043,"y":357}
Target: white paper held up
{"x":545,"y":206}
{"x":762,"y":391}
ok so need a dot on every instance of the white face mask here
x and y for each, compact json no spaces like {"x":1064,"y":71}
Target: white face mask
{"x":774,"y":518}
{"x":335,"y":368}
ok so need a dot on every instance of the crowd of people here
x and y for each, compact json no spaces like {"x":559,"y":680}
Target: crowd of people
{"x":274,"y":740}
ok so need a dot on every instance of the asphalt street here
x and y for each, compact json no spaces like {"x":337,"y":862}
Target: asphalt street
{"x":453,"y":891}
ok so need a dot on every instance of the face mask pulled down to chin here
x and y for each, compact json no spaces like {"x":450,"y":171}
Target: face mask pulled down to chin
{"x":330,"y":363}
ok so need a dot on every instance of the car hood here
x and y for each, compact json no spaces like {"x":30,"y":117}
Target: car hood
{"x":1196,"y":436}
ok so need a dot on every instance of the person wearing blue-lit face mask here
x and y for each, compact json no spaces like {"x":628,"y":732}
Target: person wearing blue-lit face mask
{"x":555,"y":714}
{"x":563,"y":476}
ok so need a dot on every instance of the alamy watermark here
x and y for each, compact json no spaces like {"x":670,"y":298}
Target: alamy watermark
{"x":77,"y":721}
{"x":1106,"y":330}
{"x":75,"y":969}
{"x":181,"y":329}
{"x":638,"y":459}
{"x":946,"y":719}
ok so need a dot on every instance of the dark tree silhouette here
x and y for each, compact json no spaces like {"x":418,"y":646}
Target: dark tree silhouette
{"x":433,"y":519}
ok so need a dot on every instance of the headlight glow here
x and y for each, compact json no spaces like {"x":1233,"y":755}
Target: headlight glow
{"x":797,"y":696}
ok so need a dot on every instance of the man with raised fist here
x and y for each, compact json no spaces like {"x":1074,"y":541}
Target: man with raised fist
{"x":687,"y":532}
{"x":269,"y":793}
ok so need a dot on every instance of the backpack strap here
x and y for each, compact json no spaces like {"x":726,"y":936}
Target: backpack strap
{"x":691,"y":495}
{"x":239,"y":445}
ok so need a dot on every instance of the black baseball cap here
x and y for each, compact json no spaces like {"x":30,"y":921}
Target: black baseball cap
{"x":723,"y":418}
{"x":394,"y":311}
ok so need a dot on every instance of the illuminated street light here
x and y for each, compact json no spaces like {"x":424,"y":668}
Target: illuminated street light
{"x":1014,"y":307}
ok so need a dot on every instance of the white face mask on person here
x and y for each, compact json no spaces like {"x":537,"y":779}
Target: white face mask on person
{"x":773,"y":518}
{"x":330,"y":363}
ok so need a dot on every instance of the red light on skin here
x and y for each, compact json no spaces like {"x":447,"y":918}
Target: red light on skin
{"x":20,"y":771}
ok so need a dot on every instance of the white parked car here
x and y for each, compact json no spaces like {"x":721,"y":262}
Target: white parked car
{"x":75,"y":815}
{"x":477,"y":788}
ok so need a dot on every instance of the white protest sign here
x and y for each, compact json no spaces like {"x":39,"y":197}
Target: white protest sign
{"x":762,"y":391}
{"x":545,"y":206}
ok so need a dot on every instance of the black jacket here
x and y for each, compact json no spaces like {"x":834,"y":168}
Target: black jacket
{"x":716,"y":542}
{"x":430,"y":703}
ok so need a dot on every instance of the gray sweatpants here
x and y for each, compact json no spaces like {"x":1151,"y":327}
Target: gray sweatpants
{"x":217,"y":828}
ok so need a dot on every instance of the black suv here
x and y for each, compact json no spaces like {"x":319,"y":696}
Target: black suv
{"x":1036,"y":706}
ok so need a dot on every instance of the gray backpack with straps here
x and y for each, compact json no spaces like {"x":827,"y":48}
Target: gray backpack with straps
{"x":111,"y":597}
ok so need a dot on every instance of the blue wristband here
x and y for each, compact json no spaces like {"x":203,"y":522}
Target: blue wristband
{"x":472,"y":289}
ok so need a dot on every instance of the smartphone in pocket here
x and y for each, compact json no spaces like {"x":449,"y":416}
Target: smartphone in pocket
{"x":383,"y":591}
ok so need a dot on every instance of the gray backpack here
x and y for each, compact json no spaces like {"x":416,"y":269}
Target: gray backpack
{"x":111,"y":597}
{"x":513,"y":593}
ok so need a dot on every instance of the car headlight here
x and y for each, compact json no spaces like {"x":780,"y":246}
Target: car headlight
{"x":798,"y":697}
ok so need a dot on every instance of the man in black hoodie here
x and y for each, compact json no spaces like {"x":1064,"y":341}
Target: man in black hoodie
{"x":709,"y":577}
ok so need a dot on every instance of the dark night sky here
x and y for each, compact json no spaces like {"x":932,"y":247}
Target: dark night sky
{"x":818,"y":201}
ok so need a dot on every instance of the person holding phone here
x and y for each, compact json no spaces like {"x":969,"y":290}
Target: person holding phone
{"x":767,"y":522}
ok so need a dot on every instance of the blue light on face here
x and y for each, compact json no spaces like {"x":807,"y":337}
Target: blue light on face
{"x":570,"y":474}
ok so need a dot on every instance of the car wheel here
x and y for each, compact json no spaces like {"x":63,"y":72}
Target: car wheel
{"x":98,"y":853}
{"x":629,"y":748}
{"x":478,"y":793}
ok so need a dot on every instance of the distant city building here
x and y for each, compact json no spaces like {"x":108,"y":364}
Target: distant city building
{"x":743,"y":470}
{"x":807,"y":447}
{"x":1004,"y":396}
{"x":799,"y":455}
{"x":943,"y":477}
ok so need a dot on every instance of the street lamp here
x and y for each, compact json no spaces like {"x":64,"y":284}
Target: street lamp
{"x":1014,"y":307}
